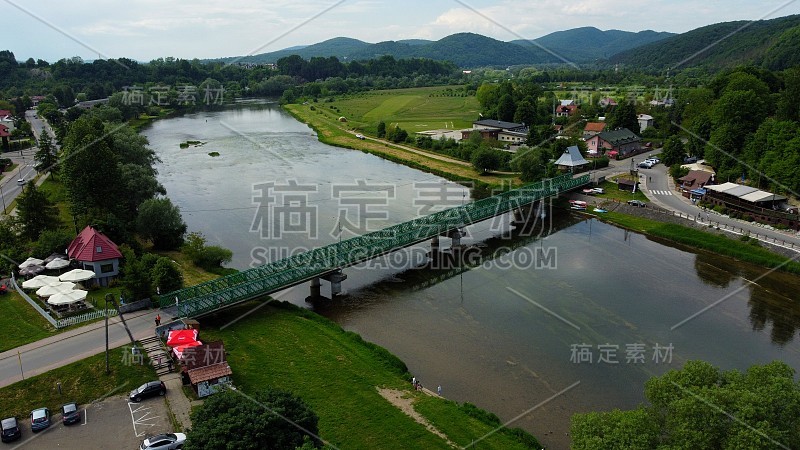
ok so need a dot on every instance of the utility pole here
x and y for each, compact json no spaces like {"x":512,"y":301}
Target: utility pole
{"x":108,"y":369}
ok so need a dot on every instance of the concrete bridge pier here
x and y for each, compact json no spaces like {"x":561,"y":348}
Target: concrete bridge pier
{"x":315,"y":288}
{"x":336,"y":279}
{"x":435,"y":244}
{"x":455,"y":236}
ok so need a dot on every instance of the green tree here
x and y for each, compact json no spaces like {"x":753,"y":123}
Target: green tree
{"x":166,"y":276}
{"x":485,"y":160}
{"x":506,"y":108}
{"x":35,"y":212}
{"x":160,"y":222}
{"x":208,"y":257}
{"x":673,"y":151}
{"x":134,"y":278}
{"x":269,"y":419}
{"x":693,"y":408}
{"x":46,"y":157}
{"x":624,"y":116}
{"x":533,"y":163}
{"x":52,"y":241}
{"x":381,"y":129}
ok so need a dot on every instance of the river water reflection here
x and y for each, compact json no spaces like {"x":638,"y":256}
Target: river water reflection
{"x":535,"y":344}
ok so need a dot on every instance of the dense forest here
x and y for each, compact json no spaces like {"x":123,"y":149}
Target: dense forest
{"x":72,"y":78}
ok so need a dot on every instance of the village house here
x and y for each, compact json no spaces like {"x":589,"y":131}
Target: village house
{"x":645,"y":122}
{"x":571,"y":160}
{"x":96,"y":252}
{"x":693,"y":184}
{"x":617,"y":143}
{"x":593,"y":128}
{"x":566,"y":108}
{"x":506,"y":132}
{"x":206,"y":368}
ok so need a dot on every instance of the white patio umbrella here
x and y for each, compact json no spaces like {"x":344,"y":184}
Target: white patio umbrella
{"x":76,"y":275}
{"x":62,"y":287}
{"x":67,"y":298}
{"x":40,"y":281}
{"x":57,"y":263}
{"x":30,"y":262}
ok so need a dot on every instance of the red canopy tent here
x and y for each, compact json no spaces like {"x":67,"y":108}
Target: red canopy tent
{"x":179,"y":349}
{"x":181,"y":337}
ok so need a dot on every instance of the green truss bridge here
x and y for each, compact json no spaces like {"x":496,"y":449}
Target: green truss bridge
{"x":328,"y":261}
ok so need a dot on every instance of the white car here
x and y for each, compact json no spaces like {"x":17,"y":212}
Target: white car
{"x":167,"y":441}
{"x":360,"y":136}
{"x":646,"y":165}
{"x":21,"y":181}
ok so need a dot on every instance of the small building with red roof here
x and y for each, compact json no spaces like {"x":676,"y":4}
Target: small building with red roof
{"x":96,"y":252}
{"x":4,"y":135}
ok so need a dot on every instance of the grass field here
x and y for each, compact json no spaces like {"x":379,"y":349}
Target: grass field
{"x":416,"y":109}
{"x":338,"y":374}
{"x":704,"y":240}
{"x":82,"y":381}
{"x":20,"y":323}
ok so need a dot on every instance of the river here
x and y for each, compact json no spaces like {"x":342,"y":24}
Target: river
{"x":533,"y":340}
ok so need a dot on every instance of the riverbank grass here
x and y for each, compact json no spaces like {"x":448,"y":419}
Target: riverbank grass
{"x":337,"y":373}
{"x":705,"y":240}
{"x":83,"y":381}
{"x":20,"y":323}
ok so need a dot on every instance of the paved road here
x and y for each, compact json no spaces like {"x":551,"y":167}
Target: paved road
{"x":64,"y":348}
{"x":661,"y":190}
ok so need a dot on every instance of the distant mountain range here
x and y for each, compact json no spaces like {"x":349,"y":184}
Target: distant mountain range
{"x":579,"y":45}
{"x":774,"y":44}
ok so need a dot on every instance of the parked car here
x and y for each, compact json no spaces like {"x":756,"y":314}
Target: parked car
{"x":40,"y":419}
{"x":690,"y":159}
{"x":70,"y":413}
{"x":637,"y":203}
{"x":645,"y":165}
{"x":360,"y":136}
{"x":592,"y":191}
{"x":147,"y":390}
{"x":11,"y":431}
{"x":653,"y":160}
{"x":167,"y":441}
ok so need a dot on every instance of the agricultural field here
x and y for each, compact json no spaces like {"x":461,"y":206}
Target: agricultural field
{"x":414,"y":109}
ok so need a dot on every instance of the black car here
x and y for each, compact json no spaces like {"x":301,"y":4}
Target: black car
{"x":11,"y":431}
{"x":149,"y":389}
{"x":70,"y":413}
{"x":638,"y":203}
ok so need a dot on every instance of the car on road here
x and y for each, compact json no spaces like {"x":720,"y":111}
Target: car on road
{"x":646,"y":165}
{"x":653,"y":160}
{"x":40,"y":419}
{"x":360,"y":136}
{"x":21,"y":181}
{"x":637,"y":203}
{"x":147,"y":390}
{"x":593,"y":191}
{"x":11,"y":431}
{"x":70,"y":413}
{"x":167,"y":441}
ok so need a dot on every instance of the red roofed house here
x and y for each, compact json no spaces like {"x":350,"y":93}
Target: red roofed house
{"x":97,"y":253}
{"x":593,"y":128}
{"x":206,"y":368}
{"x":4,"y":135}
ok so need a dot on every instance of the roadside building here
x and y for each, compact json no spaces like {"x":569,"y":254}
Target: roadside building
{"x":645,"y":122}
{"x":753,"y":204}
{"x":571,"y":160}
{"x":96,"y":252}
{"x":506,"y":132}
{"x":618,"y":143}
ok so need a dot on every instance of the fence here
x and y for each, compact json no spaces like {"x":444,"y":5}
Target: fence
{"x":698,"y":218}
{"x":62,"y":323}
{"x":33,"y":303}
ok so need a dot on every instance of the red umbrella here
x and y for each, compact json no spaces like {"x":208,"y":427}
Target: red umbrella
{"x":181,"y":337}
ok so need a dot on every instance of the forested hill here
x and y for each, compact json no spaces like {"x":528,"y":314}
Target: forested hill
{"x":588,"y":44}
{"x":774,"y":44}
{"x":468,"y":50}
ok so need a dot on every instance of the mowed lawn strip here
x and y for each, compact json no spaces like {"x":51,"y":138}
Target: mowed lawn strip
{"x":83,"y":381}
{"x":20,"y":323}
{"x":335,"y":371}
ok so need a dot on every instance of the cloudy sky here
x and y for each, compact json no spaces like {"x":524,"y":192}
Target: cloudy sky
{"x":147,"y":29}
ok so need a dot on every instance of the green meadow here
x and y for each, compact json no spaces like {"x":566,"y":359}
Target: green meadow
{"x":414,"y":109}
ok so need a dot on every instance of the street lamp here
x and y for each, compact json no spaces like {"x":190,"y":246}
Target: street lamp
{"x":4,"y":198}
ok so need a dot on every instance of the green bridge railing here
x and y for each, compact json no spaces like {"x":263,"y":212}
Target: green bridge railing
{"x":272,"y":277}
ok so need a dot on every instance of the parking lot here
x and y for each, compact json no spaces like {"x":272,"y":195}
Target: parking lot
{"x":113,"y":423}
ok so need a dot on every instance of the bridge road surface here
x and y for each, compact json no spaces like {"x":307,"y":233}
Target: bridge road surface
{"x":73,"y":345}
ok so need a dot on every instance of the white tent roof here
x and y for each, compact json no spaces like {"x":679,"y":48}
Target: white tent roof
{"x":30,"y":262}
{"x":68,"y":298}
{"x":60,"y":288}
{"x":39,"y":281}
{"x":76,"y":275}
{"x":572,"y":157}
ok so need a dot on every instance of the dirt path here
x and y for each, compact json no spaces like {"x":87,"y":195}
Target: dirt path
{"x":403,"y":401}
